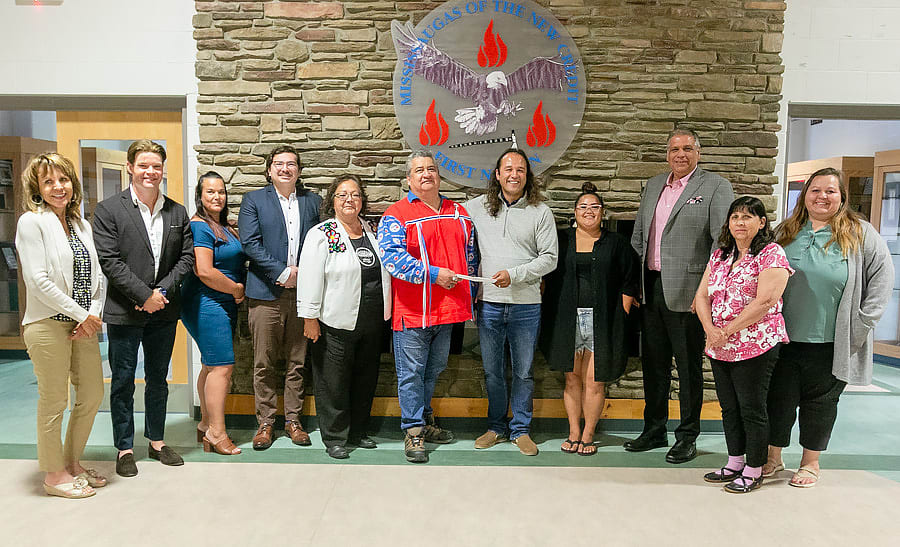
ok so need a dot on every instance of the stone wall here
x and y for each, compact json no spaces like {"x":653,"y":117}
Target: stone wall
{"x":317,"y":75}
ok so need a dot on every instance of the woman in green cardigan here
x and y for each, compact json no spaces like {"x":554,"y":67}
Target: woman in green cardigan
{"x":584,"y":312}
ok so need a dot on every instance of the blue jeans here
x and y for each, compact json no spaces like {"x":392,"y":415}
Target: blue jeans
{"x":420,"y":355}
{"x":518,"y":325}
{"x":158,"y":339}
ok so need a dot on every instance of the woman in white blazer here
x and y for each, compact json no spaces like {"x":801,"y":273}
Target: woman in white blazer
{"x":65,"y":291}
{"x":343,"y":295}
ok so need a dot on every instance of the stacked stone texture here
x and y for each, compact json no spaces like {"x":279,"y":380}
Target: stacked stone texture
{"x":317,"y":75}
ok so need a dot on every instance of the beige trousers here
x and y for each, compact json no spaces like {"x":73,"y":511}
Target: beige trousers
{"x":57,"y":360}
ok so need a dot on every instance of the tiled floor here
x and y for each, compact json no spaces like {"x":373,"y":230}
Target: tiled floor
{"x":299,"y":496}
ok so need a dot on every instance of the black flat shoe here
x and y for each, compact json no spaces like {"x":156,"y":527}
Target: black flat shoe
{"x":681,"y":452}
{"x":645,"y":443}
{"x":365,"y":442}
{"x":165,"y":455}
{"x":337,"y":452}
{"x":126,"y":466}
{"x":722,"y":475}
{"x":743,"y":485}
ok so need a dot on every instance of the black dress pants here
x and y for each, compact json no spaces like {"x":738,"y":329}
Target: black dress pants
{"x":665,"y":333}
{"x":742,"y":388}
{"x":802,"y":378}
{"x":345,"y":365}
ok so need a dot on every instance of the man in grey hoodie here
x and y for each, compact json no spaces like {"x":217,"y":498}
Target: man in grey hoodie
{"x":517,"y":240}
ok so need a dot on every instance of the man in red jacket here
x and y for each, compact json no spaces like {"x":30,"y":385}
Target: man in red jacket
{"x":425,"y":242}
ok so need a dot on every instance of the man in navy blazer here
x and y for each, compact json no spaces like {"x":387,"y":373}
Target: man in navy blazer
{"x":273,"y":223}
{"x":145,"y":248}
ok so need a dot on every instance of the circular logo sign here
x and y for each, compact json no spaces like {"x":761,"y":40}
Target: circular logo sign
{"x":474,"y":78}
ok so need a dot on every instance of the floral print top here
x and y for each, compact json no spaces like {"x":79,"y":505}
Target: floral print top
{"x":731,"y":290}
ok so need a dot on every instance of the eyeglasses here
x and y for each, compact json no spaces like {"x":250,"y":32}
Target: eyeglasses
{"x":584,"y":207}
{"x":283,"y":164}
{"x":344,"y":196}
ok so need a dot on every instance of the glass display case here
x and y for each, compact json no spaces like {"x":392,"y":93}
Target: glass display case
{"x":886,"y":218}
{"x":15,"y":153}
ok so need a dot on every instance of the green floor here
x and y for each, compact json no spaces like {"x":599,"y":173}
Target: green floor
{"x":867,"y":437}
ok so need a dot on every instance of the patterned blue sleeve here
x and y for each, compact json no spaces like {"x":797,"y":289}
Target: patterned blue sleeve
{"x":392,"y":249}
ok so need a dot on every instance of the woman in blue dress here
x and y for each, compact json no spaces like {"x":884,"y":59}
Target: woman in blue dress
{"x":209,"y":306}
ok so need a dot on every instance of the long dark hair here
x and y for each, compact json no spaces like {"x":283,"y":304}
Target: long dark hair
{"x":218,"y":225}
{"x":326,"y":210}
{"x":532,"y":190}
{"x":726,"y":241}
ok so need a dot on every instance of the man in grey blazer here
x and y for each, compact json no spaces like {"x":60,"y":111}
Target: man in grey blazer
{"x":677,"y":225}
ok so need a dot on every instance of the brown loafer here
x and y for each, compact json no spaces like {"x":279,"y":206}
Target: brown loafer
{"x":263,"y":438}
{"x":296,"y":433}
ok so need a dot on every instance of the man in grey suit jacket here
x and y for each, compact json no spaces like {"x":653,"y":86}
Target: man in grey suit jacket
{"x":677,"y":225}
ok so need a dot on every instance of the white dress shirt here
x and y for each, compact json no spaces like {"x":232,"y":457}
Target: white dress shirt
{"x":290,"y":208}
{"x":153,"y":222}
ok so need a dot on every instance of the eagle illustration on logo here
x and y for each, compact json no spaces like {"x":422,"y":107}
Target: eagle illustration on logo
{"x":474,"y":77}
{"x":491,"y":93}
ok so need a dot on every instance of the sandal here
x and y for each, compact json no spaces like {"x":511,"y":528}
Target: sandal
{"x":77,"y":489}
{"x":722,"y":475}
{"x":225,"y":447}
{"x":587,"y":449}
{"x":94,"y":479}
{"x":743,"y":485}
{"x":772,"y":468}
{"x":573,"y":446}
{"x":201,"y":433}
{"x":804,"y":473}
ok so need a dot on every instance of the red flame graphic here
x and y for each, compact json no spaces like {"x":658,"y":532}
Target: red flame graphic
{"x":542,"y":132}
{"x":434,"y":131}
{"x":493,"y":51}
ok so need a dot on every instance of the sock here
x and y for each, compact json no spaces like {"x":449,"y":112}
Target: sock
{"x":752,"y":472}
{"x":735,"y":463}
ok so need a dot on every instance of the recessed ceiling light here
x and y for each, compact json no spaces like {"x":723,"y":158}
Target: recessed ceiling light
{"x":39,"y":2}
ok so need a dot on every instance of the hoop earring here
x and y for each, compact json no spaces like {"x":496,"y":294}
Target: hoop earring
{"x":37,"y":199}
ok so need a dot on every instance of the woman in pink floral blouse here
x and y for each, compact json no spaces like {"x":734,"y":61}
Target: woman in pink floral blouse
{"x":739,"y":304}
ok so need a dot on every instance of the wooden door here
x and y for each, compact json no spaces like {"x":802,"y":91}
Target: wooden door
{"x":886,"y":218}
{"x":72,"y":127}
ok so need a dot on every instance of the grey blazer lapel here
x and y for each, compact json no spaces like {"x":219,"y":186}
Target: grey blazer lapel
{"x":652,"y":191}
{"x":690,"y":191}
{"x":134,"y":213}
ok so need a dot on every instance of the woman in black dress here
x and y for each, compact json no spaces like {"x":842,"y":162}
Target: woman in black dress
{"x":585,"y":307}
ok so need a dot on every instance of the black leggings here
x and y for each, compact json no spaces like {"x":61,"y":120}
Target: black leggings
{"x":802,"y":377}
{"x":742,"y":387}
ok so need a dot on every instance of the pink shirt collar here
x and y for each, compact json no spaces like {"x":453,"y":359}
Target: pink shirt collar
{"x":679,"y":182}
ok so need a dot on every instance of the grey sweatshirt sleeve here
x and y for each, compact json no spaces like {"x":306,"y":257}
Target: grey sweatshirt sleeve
{"x":547,"y":252}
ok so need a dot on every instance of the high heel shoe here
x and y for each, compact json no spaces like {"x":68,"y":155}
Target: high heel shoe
{"x":225,"y":447}
{"x":200,"y":434}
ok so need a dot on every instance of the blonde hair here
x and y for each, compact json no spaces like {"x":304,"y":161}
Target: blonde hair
{"x":31,"y":182}
{"x":846,"y":229}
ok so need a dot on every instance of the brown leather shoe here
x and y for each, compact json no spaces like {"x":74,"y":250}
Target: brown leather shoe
{"x":296,"y":433}
{"x":263,"y":438}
